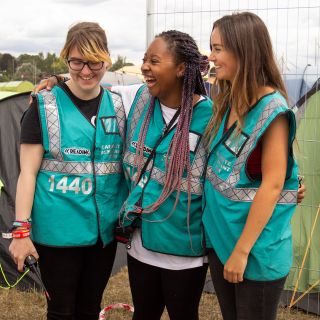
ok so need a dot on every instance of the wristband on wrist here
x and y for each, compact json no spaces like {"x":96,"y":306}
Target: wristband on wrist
{"x":19,"y":224}
{"x":19,"y":234}
{"x":26,"y":223}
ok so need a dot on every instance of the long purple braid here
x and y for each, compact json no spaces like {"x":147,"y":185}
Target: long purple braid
{"x":184,"y":48}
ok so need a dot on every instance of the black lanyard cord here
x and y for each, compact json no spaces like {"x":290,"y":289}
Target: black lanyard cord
{"x":151,"y":155}
{"x":163,"y":135}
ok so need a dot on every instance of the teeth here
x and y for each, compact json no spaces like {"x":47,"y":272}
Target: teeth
{"x":149,"y":79}
{"x":89,"y":78}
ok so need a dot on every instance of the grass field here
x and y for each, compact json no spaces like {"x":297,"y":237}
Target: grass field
{"x":16,"y":305}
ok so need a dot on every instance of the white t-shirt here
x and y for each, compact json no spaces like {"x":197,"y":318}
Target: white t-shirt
{"x":137,"y":251}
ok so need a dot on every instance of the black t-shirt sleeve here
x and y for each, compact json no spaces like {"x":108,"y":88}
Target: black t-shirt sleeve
{"x":30,"y":125}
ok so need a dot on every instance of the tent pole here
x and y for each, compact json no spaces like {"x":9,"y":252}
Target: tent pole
{"x":292,"y":302}
{"x":150,"y":22}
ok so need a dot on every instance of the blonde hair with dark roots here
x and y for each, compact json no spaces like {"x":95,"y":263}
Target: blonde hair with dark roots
{"x":246,"y":36}
{"x":90,"y":40}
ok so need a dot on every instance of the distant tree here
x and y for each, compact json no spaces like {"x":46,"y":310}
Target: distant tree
{"x":28,"y":71}
{"x":4,"y":77}
{"x":58,"y":66}
{"x":8,"y":64}
{"x":119,"y":63}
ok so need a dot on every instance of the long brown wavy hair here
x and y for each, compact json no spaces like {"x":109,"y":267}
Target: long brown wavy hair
{"x":245,"y":36}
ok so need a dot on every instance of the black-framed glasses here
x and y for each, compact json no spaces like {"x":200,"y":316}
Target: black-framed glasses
{"x":78,"y":65}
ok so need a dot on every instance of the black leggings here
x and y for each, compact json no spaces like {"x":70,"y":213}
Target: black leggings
{"x":154,"y":288}
{"x":247,"y":300}
{"x":75,"y":279}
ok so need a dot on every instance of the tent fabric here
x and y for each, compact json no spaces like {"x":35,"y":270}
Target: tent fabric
{"x":11,"y":110}
{"x":16,"y":86}
{"x":6,"y":94}
{"x":296,"y":88}
{"x":307,"y":112}
{"x":113,"y":78}
{"x":131,"y":71}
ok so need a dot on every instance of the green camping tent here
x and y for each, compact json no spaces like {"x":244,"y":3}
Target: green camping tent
{"x":307,"y":217}
{"x":16,"y":86}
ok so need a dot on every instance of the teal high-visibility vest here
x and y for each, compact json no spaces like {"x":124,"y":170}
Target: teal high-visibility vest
{"x":229,"y":192}
{"x":166,"y":231}
{"x":80,"y":186}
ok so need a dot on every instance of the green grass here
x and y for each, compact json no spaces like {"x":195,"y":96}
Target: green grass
{"x":17,"y":305}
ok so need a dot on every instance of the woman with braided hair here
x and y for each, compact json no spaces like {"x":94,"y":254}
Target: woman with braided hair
{"x":164,"y":163}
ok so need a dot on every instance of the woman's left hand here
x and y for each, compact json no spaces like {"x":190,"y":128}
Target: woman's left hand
{"x":301,"y":193}
{"x":235,"y":266}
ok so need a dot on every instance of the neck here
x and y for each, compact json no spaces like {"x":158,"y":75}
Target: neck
{"x":173,"y":98}
{"x":172,"y":102}
{"x":83,"y":94}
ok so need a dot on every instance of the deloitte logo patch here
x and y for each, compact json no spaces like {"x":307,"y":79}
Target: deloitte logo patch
{"x":77,"y":151}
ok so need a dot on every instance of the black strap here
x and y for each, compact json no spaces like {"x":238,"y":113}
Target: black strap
{"x":164,"y":133}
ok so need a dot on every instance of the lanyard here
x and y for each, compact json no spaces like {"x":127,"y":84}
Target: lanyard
{"x":151,"y":155}
{"x":163,"y":135}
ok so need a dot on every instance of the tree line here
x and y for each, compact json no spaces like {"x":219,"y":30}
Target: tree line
{"x":33,"y":68}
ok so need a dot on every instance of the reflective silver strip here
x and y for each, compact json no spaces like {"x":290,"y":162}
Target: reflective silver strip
{"x":53,"y":123}
{"x":196,"y":185}
{"x":268,"y":110}
{"x":120,"y":114}
{"x":137,"y":112}
{"x":67,"y":167}
{"x":104,"y":168}
{"x":159,"y":175}
{"x":129,"y":160}
{"x":245,"y":194}
{"x":199,"y":162}
{"x":101,"y":168}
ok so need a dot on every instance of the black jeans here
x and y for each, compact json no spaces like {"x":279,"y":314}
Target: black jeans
{"x":247,"y":300}
{"x":75,"y":279}
{"x":154,"y":288}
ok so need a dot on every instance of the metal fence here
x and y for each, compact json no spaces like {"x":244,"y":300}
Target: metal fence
{"x":294,"y":27}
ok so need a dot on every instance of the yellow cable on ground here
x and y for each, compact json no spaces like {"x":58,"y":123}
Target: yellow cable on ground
{"x":9,"y":286}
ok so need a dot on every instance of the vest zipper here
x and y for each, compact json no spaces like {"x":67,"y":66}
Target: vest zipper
{"x":94,"y":173}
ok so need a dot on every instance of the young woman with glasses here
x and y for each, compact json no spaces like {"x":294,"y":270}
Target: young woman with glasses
{"x":71,"y":185}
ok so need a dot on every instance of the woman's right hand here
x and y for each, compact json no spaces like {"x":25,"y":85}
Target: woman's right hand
{"x":20,"y":249}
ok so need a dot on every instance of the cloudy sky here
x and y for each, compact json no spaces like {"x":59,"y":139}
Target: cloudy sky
{"x":31,"y":26}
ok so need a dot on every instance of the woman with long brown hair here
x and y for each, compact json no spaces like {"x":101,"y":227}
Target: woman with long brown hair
{"x":251,"y":180}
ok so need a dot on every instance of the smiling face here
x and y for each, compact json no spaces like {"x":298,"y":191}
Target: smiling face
{"x":85,"y":84}
{"x":162,"y":73}
{"x":225,"y":61}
